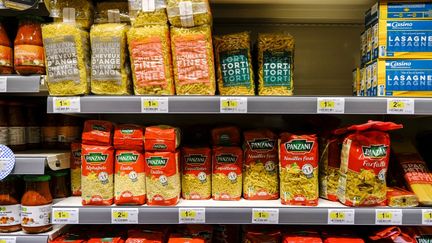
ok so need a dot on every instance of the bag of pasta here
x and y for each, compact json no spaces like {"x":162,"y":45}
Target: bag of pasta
{"x":67,"y":57}
{"x":97,"y":175}
{"x":298,"y":166}
{"x":189,"y":13}
{"x":150,"y":57}
{"x":81,"y":11}
{"x":225,"y":136}
{"x":196,"y":173}
{"x":110,"y":72}
{"x":192,"y":51}
{"x":75,"y":169}
{"x":364,"y":161}
{"x":398,"y":197}
{"x":97,"y":132}
{"x":129,"y":136}
{"x":129,"y":178}
{"x":162,"y":138}
{"x":162,"y":178}
{"x":234,"y":64}
{"x":147,"y":12}
{"x":227,"y":173}
{"x":275,"y":64}
{"x":260,"y":179}
{"x":108,"y":12}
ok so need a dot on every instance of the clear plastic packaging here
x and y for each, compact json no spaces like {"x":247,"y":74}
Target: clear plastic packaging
{"x":147,"y":12}
{"x":104,"y":12}
{"x":189,"y":13}
{"x":83,"y":11}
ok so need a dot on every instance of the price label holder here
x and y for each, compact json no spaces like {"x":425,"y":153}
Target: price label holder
{"x":154,"y":104}
{"x":124,"y":215}
{"x":388,"y":216}
{"x":427,"y":216}
{"x":7,"y":239}
{"x":331,"y":105}
{"x":66,"y":104}
{"x":191,"y":215}
{"x":3,"y":84}
{"x":400,"y":106}
{"x":65,"y":216}
{"x":341,"y":216}
{"x":233,"y":105}
{"x":265,"y":216}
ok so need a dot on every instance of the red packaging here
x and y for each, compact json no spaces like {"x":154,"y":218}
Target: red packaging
{"x":302,"y":238}
{"x":196,"y":173}
{"x":162,"y":138}
{"x":97,"y":132}
{"x":129,"y":136}
{"x":106,"y":240}
{"x":226,"y":136}
{"x":260,"y":237}
{"x":343,"y":240}
{"x":146,"y":237}
{"x":227,"y":173}
{"x":129,"y":179}
{"x":178,"y":238}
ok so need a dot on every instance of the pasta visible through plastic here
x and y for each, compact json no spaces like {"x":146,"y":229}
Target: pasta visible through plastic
{"x":361,"y":185}
{"x":157,"y":187}
{"x":294,"y":182}
{"x":124,"y":183}
{"x":83,"y":11}
{"x":76,"y":180}
{"x":142,"y":17}
{"x":200,"y":9}
{"x":102,"y":8}
{"x":257,"y":178}
{"x":94,"y":187}
{"x":193,"y":186}
{"x":331,"y":180}
{"x":223,"y":186}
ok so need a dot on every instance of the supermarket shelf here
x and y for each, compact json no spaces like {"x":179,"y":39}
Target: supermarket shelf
{"x":22,"y":84}
{"x":255,"y":105}
{"x":35,"y":161}
{"x":229,"y":212}
{"x":21,"y":237}
{"x":37,"y":10}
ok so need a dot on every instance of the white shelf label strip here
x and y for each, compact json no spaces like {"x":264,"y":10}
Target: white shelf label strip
{"x":388,"y":216}
{"x":65,"y":216}
{"x":233,"y":105}
{"x":400,"y":106}
{"x":265,"y":216}
{"x":7,"y":239}
{"x":124,"y":216}
{"x":330,"y":105}
{"x":3,"y":84}
{"x":154,"y":105}
{"x":341,"y":216}
{"x":191,"y":215}
{"x":66,"y":104}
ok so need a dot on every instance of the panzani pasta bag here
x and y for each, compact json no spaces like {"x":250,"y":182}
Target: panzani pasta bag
{"x":364,"y":161}
{"x":260,"y":179}
{"x":162,"y":178}
{"x":75,"y":169}
{"x":162,"y":138}
{"x":129,"y":178}
{"x":97,"y":175}
{"x":196,"y":173}
{"x":97,"y":132}
{"x":227,"y":173}
{"x":129,"y":136}
{"x":225,"y":136}
{"x":298,"y":166}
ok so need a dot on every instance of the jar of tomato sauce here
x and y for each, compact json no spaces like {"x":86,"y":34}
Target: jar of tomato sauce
{"x":6,"y":62}
{"x":10,"y":220}
{"x":36,"y":204}
{"x":28,"y":47}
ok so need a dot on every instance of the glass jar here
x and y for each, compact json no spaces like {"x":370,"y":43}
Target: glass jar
{"x":28,"y":47}
{"x":68,"y":130}
{"x":6,"y":63}
{"x":4,"y":131}
{"x":36,"y":204}
{"x":10,"y":220}
{"x":33,"y":130}
{"x":59,"y":183}
{"x":17,"y":126}
{"x":49,"y":132}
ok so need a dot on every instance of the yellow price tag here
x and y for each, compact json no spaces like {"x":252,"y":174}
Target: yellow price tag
{"x":385,"y":216}
{"x":229,"y":104}
{"x":120,"y":215}
{"x":151,"y":104}
{"x":397,"y":105}
{"x":427,"y":216}
{"x":261,"y":215}
{"x":63,"y":103}
{"x":188,"y":214}
{"x":337,"y":215}
{"x":327,"y":104}
{"x":3,"y":241}
{"x":61,"y":215}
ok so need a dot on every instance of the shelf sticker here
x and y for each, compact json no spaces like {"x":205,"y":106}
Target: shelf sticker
{"x":124,"y":216}
{"x":7,"y":239}
{"x":427,"y":216}
{"x":331,"y":105}
{"x":3,"y":84}
{"x":400,"y":106}
{"x":265,"y":216}
{"x":341,"y":216}
{"x":191,"y":215}
{"x":154,"y":104}
{"x":66,"y":104}
{"x":388,"y":216}
{"x":233,"y":105}
{"x":65,"y":216}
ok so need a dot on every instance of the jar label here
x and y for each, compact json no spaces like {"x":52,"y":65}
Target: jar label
{"x":5,"y":56}
{"x":4,"y":135}
{"x":277,"y":68}
{"x":35,"y":216}
{"x":10,"y":215}
{"x":33,"y":135}
{"x":29,"y":55}
{"x":17,"y":135}
{"x":106,"y":61}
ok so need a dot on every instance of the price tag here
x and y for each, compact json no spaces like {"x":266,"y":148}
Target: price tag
{"x":3,"y":84}
{"x":233,"y":105}
{"x":66,"y":104}
{"x":388,"y":216}
{"x":7,"y":239}
{"x":154,"y":105}
{"x":65,"y":216}
{"x":191,"y":215}
{"x":124,"y":216}
{"x":341,"y":216}
{"x":331,"y":105}
{"x":400,"y":106}
{"x":265,"y":216}
{"x":427,"y":216}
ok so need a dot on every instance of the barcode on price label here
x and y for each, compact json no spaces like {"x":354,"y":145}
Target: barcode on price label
{"x":65,"y":216}
{"x":154,"y":104}
{"x":388,"y":216}
{"x":341,"y":216}
{"x":191,"y":215}
{"x":331,"y":105}
{"x":124,"y":216}
{"x":233,"y":105}
{"x":66,"y":104}
{"x":265,"y":216}
{"x":3,"y":84}
{"x":7,"y":239}
{"x":400,"y":106}
{"x":427,"y":216}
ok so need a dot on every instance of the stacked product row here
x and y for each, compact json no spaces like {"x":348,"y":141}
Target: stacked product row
{"x":352,"y":169}
{"x":396,"y":50}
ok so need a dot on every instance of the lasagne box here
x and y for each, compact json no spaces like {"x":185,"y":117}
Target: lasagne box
{"x":399,"y":10}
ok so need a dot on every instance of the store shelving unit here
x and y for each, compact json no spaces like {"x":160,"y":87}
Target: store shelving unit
{"x":21,"y":84}
{"x":34,"y":162}
{"x":21,"y":237}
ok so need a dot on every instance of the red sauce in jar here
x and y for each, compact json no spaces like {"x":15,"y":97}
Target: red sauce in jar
{"x":6,"y":63}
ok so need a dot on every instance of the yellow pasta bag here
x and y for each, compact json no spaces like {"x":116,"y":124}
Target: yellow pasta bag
{"x":83,"y":10}
{"x":275,"y":64}
{"x":234,"y":64}
{"x":106,"y":11}
{"x":75,"y":169}
{"x":227,"y":173}
{"x":129,"y":178}
{"x":192,"y":51}
{"x":398,"y":197}
{"x":147,"y":12}
{"x":196,"y":173}
{"x":189,"y":13}
{"x":260,"y":179}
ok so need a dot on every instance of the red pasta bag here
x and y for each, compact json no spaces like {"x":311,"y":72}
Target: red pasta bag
{"x":225,"y":136}
{"x":196,"y":173}
{"x":97,"y":132}
{"x":162,"y":138}
{"x":227,"y":173}
{"x":129,"y":136}
{"x":129,"y":178}
{"x":146,"y":237}
{"x":178,"y":238}
{"x":261,"y":234}
{"x":302,"y":237}
{"x":106,"y":240}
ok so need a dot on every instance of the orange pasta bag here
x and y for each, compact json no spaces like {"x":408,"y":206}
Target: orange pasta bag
{"x":162,"y":138}
{"x":129,"y":179}
{"x":129,"y":136}
{"x":97,"y":132}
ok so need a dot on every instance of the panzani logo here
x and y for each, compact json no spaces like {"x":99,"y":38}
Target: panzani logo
{"x":159,"y":146}
{"x":96,"y":157}
{"x":263,"y":144}
{"x":299,"y":146}
{"x":126,"y":131}
{"x":127,"y":157}
{"x":99,"y":128}
{"x":157,"y":161}
{"x":195,"y":159}
{"x":375,"y":151}
{"x":226,"y":158}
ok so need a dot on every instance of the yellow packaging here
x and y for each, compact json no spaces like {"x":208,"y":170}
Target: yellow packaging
{"x":405,"y":9}
{"x":104,"y":11}
{"x":356,"y":82}
{"x":190,"y":13}
{"x":144,"y":13}
{"x":363,"y":81}
{"x":84,"y":11}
